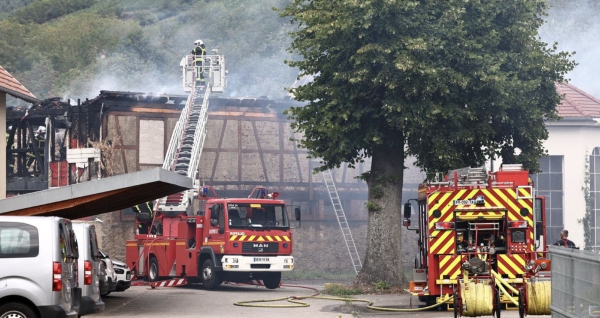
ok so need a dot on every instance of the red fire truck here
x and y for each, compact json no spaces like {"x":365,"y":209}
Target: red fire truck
{"x":229,"y":239}
{"x":481,"y":242}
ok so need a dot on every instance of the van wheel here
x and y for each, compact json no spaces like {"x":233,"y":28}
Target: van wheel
{"x":16,"y":310}
{"x":153,"y":269}
{"x":272,"y":280}
{"x":211,"y":279}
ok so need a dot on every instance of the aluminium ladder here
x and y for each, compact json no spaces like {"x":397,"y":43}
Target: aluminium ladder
{"x":187,"y":140}
{"x":342,"y":221}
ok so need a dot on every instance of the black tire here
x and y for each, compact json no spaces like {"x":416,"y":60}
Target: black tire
{"x":153,"y":269}
{"x":17,"y":310}
{"x":211,"y":279}
{"x":456,"y":315}
{"x":272,"y":280}
{"x":521,"y":304}
{"x":498,"y":304}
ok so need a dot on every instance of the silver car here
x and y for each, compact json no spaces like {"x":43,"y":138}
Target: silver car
{"x":38,"y":272}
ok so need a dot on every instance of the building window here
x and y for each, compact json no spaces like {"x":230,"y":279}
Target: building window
{"x":595,"y":193}
{"x":549,"y":183}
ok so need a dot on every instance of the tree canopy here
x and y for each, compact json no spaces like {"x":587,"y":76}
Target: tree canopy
{"x":450,"y":82}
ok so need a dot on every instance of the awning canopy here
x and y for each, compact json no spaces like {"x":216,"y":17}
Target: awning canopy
{"x":98,"y":196}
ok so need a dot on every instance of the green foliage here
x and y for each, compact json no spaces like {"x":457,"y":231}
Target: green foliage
{"x":341,"y":290}
{"x":376,"y":192}
{"x":381,"y":286}
{"x":586,"y":221}
{"x":41,"y":11}
{"x":142,"y":42}
{"x":455,"y":81}
{"x":372,"y":206}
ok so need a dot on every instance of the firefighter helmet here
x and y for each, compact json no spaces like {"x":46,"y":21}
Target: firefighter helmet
{"x":198,"y":42}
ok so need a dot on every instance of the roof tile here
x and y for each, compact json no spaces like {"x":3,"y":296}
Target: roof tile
{"x":11,"y":86}
{"x":576,"y":102}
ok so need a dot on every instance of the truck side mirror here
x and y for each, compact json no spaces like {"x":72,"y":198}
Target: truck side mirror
{"x":407,"y":210}
{"x":297,"y":214}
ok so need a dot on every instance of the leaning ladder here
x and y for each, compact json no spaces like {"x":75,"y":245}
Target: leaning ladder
{"x":341,"y":217}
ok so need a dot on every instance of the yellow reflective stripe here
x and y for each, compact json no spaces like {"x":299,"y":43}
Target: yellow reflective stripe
{"x":440,"y":239}
{"x":278,"y":238}
{"x":251,"y":237}
{"x":232,"y":238}
{"x":243,"y":237}
{"x":269,"y":238}
{"x":286,"y":238}
{"x":260,"y":239}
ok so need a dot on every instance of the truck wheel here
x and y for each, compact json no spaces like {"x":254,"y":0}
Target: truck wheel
{"x":211,"y":279}
{"x":153,"y":269}
{"x":272,"y":280}
{"x":16,"y":310}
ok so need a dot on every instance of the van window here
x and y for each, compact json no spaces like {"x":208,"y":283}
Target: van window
{"x":68,"y":251}
{"x":18,"y":240}
{"x":94,"y":245}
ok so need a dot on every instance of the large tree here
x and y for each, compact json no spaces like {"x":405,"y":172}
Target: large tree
{"x":449,"y":81}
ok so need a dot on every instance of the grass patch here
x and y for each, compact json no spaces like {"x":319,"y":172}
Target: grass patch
{"x":340,"y":290}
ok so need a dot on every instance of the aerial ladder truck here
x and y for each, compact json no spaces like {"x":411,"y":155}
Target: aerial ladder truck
{"x":227,"y":239}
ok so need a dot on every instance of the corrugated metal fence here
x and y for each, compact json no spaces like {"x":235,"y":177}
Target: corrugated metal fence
{"x":575,"y":282}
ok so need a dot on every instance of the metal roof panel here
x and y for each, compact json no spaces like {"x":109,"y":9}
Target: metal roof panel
{"x":98,"y":196}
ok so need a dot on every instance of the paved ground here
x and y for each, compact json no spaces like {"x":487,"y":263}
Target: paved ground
{"x":195,"y":301}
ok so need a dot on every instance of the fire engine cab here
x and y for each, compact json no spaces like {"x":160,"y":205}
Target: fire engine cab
{"x":229,"y":239}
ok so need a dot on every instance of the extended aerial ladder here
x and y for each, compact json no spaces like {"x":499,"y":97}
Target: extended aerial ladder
{"x":187,"y":140}
{"x":340,"y":215}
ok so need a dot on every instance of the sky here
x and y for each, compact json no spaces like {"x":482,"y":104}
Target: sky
{"x":575,"y":26}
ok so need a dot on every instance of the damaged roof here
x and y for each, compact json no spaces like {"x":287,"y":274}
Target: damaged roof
{"x":12,"y":87}
{"x":576,"y":102}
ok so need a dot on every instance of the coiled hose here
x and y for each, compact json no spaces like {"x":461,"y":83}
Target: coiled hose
{"x":539,"y":296}
{"x":477,"y":298}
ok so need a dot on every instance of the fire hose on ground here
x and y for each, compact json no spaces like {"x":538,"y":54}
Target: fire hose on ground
{"x":296,"y":301}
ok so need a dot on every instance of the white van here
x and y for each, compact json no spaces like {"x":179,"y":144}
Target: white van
{"x":38,"y":259}
{"x":89,"y":268}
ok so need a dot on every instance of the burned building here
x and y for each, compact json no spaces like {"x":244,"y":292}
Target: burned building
{"x":249,"y":142}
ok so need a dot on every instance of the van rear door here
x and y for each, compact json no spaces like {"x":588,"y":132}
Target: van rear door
{"x":70,"y":294}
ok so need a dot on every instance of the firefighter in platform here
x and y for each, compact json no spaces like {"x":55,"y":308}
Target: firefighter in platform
{"x":199,"y":53}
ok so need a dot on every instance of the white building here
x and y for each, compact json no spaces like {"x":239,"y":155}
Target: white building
{"x":572,"y":140}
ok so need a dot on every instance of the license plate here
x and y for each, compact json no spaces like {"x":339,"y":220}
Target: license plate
{"x":261,"y":259}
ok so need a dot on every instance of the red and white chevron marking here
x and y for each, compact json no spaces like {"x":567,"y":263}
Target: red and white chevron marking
{"x":169,"y":283}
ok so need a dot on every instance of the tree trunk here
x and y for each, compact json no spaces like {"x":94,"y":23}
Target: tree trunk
{"x":383,"y":262}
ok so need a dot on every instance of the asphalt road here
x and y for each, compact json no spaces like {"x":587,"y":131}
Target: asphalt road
{"x":195,"y":301}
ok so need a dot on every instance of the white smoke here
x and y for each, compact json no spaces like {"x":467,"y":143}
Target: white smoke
{"x":574,"y":25}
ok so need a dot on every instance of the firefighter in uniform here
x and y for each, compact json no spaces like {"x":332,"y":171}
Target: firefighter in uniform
{"x":199,"y":53}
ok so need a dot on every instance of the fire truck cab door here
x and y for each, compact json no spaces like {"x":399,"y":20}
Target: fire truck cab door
{"x":215,"y":236}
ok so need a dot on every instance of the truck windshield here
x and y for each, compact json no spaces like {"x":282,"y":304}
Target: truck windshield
{"x":251,"y":215}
